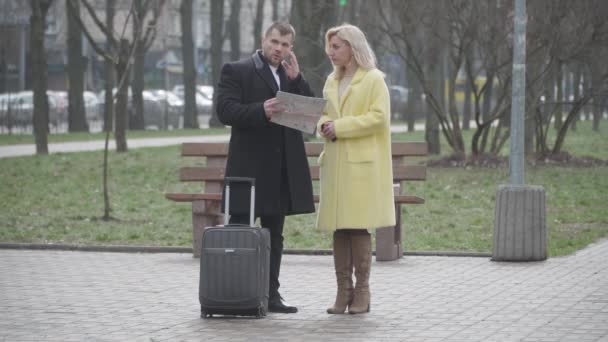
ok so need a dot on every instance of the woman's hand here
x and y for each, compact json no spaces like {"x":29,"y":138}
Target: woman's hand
{"x":328,"y":130}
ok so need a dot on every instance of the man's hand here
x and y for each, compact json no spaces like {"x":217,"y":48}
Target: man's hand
{"x":328,"y":130}
{"x":292,"y":68}
{"x":272,"y":106}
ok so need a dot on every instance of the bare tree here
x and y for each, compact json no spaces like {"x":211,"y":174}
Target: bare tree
{"x":76,"y":65}
{"x":40,"y":9}
{"x":311,"y":19}
{"x":110,"y":76}
{"x":141,"y":9}
{"x":124,"y":51}
{"x":189,"y":74}
{"x":217,"y":40}
{"x":564,"y":32}
{"x":257,"y":23}
{"x":275,"y":10}
{"x":234,"y":30}
{"x":453,"y":30}
{"x":120,"y":61}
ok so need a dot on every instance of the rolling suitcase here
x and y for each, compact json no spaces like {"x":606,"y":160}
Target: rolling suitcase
{"x":235,"y":261}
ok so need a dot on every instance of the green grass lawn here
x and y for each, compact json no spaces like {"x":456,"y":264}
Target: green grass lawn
{"x":58,"y":198}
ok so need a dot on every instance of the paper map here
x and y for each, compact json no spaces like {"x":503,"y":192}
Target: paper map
{"x":301,"y":112}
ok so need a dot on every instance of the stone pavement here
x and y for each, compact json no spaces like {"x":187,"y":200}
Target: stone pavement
{"x":97,"y":296}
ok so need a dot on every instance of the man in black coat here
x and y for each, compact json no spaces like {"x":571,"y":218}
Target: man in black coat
{"x":272,"y":154}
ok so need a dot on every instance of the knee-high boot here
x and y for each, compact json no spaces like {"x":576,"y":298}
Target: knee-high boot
{"x":361,"y":245}
{"x":344,"y":270}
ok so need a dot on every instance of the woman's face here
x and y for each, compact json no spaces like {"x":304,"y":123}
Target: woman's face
{"x":340,"y":53}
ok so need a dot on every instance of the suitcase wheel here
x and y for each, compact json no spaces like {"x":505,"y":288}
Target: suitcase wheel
{"x":205,"y":314}
{"x":261,"y":312}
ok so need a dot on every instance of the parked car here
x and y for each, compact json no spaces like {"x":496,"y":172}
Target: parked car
{"x":203,"y":96}
{"x":171,"y":108}
{"x":206,"y":90}
{"x":91,"y":106}
{"x":17,"y":109}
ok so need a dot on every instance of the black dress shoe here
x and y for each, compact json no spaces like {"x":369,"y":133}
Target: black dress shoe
{"x":279,"y":305}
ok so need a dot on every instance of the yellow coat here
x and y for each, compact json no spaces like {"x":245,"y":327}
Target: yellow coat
{"x":356,"y":188}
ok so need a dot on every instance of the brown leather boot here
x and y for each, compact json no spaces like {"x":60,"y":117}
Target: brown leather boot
{"x":344,"y":271}
{"x":361,"y":245}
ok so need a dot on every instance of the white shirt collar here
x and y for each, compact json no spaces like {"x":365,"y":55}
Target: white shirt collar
{"x":276,"y":75}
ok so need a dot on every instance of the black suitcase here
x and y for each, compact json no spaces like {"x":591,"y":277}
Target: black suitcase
{"x":235,"y":261}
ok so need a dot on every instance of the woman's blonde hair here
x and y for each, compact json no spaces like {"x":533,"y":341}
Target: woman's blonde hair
{"x":355,"y":38}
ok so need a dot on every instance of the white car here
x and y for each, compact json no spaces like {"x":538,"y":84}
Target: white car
{"x":203,"y":96}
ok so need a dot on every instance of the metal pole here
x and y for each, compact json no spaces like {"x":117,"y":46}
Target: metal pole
{"x":518,"y":104}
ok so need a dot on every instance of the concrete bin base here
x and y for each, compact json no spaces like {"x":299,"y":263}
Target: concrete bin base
{"x":520,"y":231}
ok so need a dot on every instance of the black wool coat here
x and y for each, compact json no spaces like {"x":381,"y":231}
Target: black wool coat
{"x":259,"y":148}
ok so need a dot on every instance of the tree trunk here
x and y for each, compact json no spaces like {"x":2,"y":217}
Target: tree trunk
{"x":190,"y":112}
{"x":275,"y":10}
{"x":77,"y":121}
{"x":137,"y":120}
{"x":468,"y":92}
{"x":235,"y":30}
{"x":257,"y":24}
{"x":486,"y":109}
{"x":108,"y":112}
{"x":452,"y":73}
{"x":596,"y":86}
{"x":559,"y":97}
{"x":576,"y":91}
{"x":311,"y":19}
{"x":217,"y":20}
{"x":413,"y":101}
{"x":568,"y":92}
{"x":434,"y":84}
{"x":39,"y":71}
{"x":122,"y":99}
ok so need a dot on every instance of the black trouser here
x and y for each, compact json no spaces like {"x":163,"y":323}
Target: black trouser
{"x":274,"y":223}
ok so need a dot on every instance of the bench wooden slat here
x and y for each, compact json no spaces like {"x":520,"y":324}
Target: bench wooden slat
{"x":202,"y":173}
{"x":409,"y":172}
{"x":400,"y":173}
{"x":413,"y":149}
{"x":312,"y":149}
{"x":408,"y":199}
{"x":181,"y":197}
{"x":398,"y":149}
{"x":194,"y":174}
{"x":204,"y":149}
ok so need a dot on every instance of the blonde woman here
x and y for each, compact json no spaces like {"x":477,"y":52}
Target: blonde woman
{"x":356,"y":170}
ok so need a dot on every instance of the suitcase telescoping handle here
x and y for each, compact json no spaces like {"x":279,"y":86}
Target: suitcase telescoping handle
{"x":250,"y":181}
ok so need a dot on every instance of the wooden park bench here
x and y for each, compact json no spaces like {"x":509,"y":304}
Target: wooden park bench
{"x":206,"y":205}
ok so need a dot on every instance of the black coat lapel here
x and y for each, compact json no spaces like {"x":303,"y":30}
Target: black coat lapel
{"x":264,"y":71}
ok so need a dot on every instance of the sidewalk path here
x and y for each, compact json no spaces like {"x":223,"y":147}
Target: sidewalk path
{"x":77,"y":146}
{"x":93,"y":296}
{"x":30,"y":149}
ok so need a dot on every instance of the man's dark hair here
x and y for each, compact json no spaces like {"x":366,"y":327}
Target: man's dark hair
{"x":283,"y":28}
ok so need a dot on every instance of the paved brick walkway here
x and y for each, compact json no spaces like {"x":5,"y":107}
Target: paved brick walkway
{"x":94,"y":296}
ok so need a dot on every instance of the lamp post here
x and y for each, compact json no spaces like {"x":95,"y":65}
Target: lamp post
{"x":520,"y":232}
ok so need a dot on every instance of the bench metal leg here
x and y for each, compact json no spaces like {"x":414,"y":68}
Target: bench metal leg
{"x":204,"y":214}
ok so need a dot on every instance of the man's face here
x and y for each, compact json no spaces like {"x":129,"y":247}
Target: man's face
{"x":275,"y":47}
